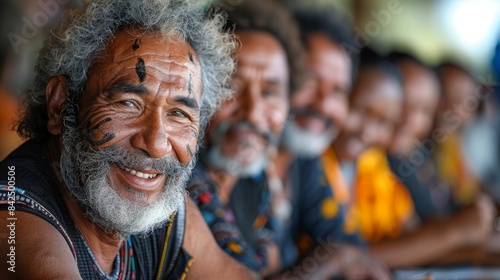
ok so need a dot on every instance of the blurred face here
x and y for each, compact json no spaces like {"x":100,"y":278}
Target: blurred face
{"x":376,"y":103}
{"x":457,"y":89}
{"x":320,"y":108}
{"x":249,"y":124}
{"x":137,"y":132}
{"x":421,"y":98}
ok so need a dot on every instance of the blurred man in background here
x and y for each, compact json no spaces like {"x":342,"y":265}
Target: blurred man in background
{"x":375,"y":106}
{"x":413,"y":144}
{"x":230,"y":184}
{"x":457,"y":111}
{"x":317,"y":114}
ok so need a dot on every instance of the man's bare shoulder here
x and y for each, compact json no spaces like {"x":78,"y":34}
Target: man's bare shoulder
{"x":34,"y":249}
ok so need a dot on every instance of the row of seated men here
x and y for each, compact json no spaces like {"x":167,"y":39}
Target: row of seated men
{"x":334,"y":160}
{"x":349,"y":148}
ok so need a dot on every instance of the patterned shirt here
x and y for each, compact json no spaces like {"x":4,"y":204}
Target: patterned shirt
{"x":243,"y":228}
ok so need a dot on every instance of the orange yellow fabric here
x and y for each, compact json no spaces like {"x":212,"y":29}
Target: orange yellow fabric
{"x":340,"y":190}
{"x":383,"y":202}
{"x":334,"y":176}
{"x":453,"y":169}
{"x":381,"y":205}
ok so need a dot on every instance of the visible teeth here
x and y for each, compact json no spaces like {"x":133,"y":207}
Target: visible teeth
{"x":140,"y":174}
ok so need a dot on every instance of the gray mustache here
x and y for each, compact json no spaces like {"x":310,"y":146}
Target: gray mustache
{"x":226,"y":127}
{"x":311,"y":113}
{"x":167,"y":165}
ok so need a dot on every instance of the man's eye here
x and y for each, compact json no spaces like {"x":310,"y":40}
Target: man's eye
{"x":337,"y":91}
{"x":178,"y":113}
{"x":270,"y":93}
{"x":128,"y":103}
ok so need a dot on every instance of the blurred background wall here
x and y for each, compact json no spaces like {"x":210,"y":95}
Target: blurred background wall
{"x":435,"y":30}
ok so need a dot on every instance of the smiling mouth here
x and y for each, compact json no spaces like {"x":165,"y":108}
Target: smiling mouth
{"x":140,"y":174}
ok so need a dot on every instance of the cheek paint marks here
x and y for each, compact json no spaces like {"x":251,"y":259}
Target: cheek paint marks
{"x":195,"y":135}
{"x":191,"y":58}
{"x":140,"y":69}
{"x":90,"y":130}
{"x":136,"y":45}
{"x":191,"y":154}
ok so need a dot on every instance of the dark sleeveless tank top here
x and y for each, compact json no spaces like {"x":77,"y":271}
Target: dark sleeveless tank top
{"x":158,"y":255}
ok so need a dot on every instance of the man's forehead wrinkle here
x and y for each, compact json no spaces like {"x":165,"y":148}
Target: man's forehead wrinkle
{"x":173,"y":62}
{"x":174,"y":74}
{"x":259,"y":63}
{"x":177,"y":87}
{"x":175,"y":79}
{"x":165,"y":68}
{"x":150,"y":45}
{"x":261,"y":74}
{"x":166,"y":55}
{"x":127,"y":74}
{"x":175,"y":83}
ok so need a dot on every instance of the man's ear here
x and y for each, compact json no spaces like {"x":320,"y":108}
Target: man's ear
{"x":56,"y":94}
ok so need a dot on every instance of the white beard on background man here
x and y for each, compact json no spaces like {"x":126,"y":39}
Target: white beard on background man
{"x":303,"y":142}
{"x":215,"y":157}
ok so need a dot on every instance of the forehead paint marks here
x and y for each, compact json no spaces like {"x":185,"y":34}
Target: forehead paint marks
{"x":90,"y":130}
{"x":190,"y":84}
{"x":191,"y":57}
{"x":135,"y":46}
{"x":140,"y":69}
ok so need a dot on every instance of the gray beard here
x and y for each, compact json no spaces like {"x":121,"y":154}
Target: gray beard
{"x":85,"y":171}
{"x":304,"y":143}
{"x":215,"y":158}
{"x":218,"y":160}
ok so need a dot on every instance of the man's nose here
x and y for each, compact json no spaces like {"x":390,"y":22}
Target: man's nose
{"x":369,"y":132}
{"x":152,"y":138}
{"x":252,"y":106}
{"x":320,"y":98}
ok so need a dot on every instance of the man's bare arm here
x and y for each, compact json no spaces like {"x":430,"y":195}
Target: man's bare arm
{"x":485,"y":254}
{"x":210,"y":262}
{"x":41,"y":252}
{"x":469,"y":227}
{"x":329,"y":259}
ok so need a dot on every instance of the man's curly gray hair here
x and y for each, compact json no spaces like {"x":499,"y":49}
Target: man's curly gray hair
{"x":77,"y":42}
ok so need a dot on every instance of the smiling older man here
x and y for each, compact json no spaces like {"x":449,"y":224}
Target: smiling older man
{"x":123,"y":90}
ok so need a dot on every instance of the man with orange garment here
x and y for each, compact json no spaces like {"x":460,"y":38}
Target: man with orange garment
{"x":381,"y":205}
